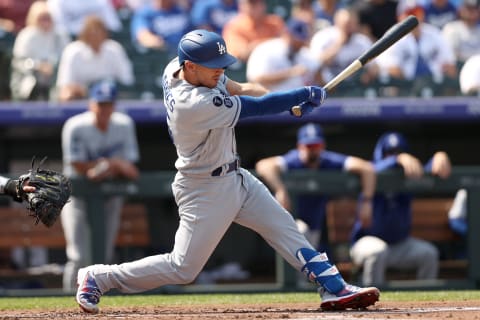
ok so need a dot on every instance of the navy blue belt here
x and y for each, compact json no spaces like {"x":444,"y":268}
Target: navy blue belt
{"x":226,"y":168}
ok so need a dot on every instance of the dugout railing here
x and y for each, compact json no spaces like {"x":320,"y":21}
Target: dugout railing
{"x":157,"y":184}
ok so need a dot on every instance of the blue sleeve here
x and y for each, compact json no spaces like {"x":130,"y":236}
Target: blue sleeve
{"x":139,"y":22}
{"x":428,"y":166}
{"x":386,"y":163}
{"x":458,"y":225}
{"x":272,"y":103}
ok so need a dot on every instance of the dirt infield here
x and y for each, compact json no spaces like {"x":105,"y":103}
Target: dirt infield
{"x":295,"y":311}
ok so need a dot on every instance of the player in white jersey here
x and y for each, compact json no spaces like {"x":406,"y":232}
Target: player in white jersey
{"x":211,"y":190}
{"x":98,"y":144}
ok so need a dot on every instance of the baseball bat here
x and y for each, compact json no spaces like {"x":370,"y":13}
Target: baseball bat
{"x":392,"y":35}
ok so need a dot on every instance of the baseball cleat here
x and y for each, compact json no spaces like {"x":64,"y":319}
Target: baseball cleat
{"x":351,"y":297}
{"x":88,"y":293}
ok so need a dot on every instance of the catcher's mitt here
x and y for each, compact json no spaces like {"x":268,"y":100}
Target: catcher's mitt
{"x":52,"y":190}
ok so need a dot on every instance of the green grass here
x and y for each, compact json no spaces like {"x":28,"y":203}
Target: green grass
{"x":9,"y":303}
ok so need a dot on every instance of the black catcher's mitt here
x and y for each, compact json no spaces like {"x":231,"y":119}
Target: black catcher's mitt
{"x":52,"y":191}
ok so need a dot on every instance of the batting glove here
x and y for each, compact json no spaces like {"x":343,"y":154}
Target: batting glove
{"x":316,"y":95}
{"x":306,"y":108}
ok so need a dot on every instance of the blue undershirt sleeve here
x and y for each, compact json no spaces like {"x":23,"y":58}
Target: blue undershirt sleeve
{"x":272,"y":103}
{"x":384,"y":164}
{"x":428,"y":166}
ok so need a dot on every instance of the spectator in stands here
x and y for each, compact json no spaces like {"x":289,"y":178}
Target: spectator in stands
{"x":383,"y":240}
{"x":440,"y":12}
{"x":310,"y":154}
{"x":160,"y":25}
{"x":303,"y":10}
{"x":70,"y":16}
{"x":376,"y":17}
{"x":325,"y":11}
{"x":213,"y":14}
{"x":91,"y":58}
{"x":36,"y":53}
{"x":318,"y":14}
{"x":285,"y":62}
{"x":13,"y":14}
{"x":98,"y":144}
{"x":12,"y":19}
{"x":464,"y":34}
{"x":338,"y":45}
{"x":251,"y":26}
{"x":423,"y":58}
{"x":136,"y":4}
{"x":470,"y":76}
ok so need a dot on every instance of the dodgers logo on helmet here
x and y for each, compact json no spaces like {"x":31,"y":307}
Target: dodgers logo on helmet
{"x":222,"y":49}
{"x":205,"y":48}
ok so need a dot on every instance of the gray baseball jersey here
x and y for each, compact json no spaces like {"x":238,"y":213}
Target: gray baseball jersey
{"x":201,"y":122}
{"x":82,"y":141}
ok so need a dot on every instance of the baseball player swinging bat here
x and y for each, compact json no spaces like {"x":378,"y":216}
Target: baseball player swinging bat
{"x":395,"y":33}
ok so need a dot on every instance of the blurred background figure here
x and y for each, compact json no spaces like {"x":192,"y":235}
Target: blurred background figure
{"x":463,"y":34}
{"x":134,"y":4}
{"x":98,"y":144}
{"x":12,"y":19}
{"x":440,"y":12}
{"x":422,"y":63}
{"x":457,"y":219}
{"x":91,"y":58}
{"x":311,"y":154}
{"x":36,"y":53}
{"x":285,"y":62}
{"x":376,"y":16}
{"x":69,"y":16}
{"x":324,"y":11}
{"x":160,"y":26}
{"x":251,"y":26}
{"x":318,"y":14}
{"x":337,"y":46}
{"x":213,"y":14}
{"x":384,"y":239}
{"x":470,"y":76}
{"x":303,"y":10}
{"x":457,"y":214}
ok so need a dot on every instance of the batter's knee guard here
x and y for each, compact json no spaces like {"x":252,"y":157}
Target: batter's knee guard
{"x":318,"y":269}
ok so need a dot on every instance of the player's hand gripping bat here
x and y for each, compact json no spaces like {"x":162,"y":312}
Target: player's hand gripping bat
{"x":395,"y":33}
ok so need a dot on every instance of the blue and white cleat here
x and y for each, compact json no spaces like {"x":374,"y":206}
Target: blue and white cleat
{"x":351,"y":297}
{"x":88,"y":293}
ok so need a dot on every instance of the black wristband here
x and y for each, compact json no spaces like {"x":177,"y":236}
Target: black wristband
{"x":11,"y":189}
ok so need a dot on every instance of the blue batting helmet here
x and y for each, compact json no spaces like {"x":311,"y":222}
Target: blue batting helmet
{"x":205,"y":48}
{"x":310,"y":134}
{"x":390,"y":142}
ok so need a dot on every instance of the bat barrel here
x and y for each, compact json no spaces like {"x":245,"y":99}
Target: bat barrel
{"x":395,"y":33}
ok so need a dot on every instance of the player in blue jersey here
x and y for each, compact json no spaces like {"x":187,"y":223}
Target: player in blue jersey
{"x":310,"y":153}
{"x":385,"y":241}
